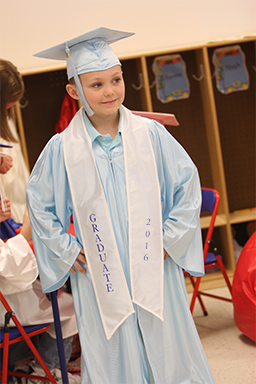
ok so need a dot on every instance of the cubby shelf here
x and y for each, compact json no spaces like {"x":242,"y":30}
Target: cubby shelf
{"x":218,"y":131}
{"x":220,"y":220}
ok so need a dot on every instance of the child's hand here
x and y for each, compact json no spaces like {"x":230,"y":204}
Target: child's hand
{"x":5,"y":164}
{"x":26,"y":228}
{"x":5,"y":215}
{"x":166,"y":255}
{"x":77,"y":265}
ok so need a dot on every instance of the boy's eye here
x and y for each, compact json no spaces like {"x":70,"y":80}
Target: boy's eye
{"x":117,"y":79}
{"x":96,"y":85}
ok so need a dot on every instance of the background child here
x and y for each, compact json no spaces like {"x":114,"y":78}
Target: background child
{"x":15,"y":180}
{"x":18,"y":266}
{"x":22,"y":290}
{"x":132,"y":190}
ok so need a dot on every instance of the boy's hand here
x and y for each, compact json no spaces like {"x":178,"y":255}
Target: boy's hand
{"x":5,"y":215}
{"x":5,"y":164}
{"x":77,"y":265}
{"x":166,"y":255}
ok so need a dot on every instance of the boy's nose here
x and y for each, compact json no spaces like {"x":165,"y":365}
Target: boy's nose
{"x":108,"y":90}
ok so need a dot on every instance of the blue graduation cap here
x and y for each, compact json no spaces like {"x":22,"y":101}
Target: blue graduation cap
{"x":89,"y":52}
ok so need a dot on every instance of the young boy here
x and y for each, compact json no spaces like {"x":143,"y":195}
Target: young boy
{"x":135,"y":198}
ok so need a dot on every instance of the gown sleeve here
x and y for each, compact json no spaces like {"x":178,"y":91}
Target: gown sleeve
{"x":18,"y":267}
{"x":50,"y":207}
{"x":181,"y":200}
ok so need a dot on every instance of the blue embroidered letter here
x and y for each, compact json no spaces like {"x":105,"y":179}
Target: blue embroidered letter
{"x":109,"y":288}
{"x":102,"y":259}
{"x":90,"y":217}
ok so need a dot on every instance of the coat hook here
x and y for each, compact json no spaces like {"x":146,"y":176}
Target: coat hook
{"x":152,"y":85}
{"x":202,"y":74}
{"x":24,"y":104}
{"x":141,"y":83}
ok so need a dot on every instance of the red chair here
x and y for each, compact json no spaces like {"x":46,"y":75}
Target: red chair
{"x":212,"y":258}
{"x":11,"y":335}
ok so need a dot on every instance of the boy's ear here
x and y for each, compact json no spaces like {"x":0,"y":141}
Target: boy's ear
{"x":71,"y":90}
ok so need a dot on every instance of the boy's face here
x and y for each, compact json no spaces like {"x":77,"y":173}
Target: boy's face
{"x":104,"y":90}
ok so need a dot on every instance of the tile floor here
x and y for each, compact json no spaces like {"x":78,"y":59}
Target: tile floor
{"x":231,"y":355}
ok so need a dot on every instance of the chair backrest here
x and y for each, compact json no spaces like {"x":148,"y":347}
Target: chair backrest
{"x":18,"y":325}
{"x":210,"y":203}
{"x":208,"y":200}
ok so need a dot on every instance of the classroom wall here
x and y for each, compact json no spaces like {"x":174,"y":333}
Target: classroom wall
{"x":29,"y":26}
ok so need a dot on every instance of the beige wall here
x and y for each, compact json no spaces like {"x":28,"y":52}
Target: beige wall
{"x":29,"y":26}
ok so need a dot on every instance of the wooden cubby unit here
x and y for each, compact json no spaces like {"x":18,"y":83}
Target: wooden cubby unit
{"x":218,"y":131}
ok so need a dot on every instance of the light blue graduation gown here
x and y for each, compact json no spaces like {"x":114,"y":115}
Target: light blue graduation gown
{"x":144,"y":349}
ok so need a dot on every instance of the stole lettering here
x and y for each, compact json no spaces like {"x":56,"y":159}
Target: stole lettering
{"x":102,"y":255}
{"x":98,"y":238}
{"x":147,"y":234}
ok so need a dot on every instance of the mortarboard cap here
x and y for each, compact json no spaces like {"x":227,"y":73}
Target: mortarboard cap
{"x":89,"y":52}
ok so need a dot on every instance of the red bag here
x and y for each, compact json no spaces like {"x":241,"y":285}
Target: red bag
{"x":244,"y":290}
{"x":67,"y":112}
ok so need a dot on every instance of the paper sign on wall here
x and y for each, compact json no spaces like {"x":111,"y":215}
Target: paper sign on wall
{"x":230,"y":69}
{"x":171,"y":78}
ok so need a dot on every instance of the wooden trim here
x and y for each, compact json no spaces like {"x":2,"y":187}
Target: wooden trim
{"x":22,"y":137}
{"x":146,"y":84}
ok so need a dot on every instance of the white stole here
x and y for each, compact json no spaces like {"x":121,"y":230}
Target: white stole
{"x":145,"y":222}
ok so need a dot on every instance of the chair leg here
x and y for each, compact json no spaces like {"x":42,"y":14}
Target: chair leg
{"x":5,"y":358}
{"x":7,"y":319}
{"x":224,"y":273}
{"x":196,"y":295}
